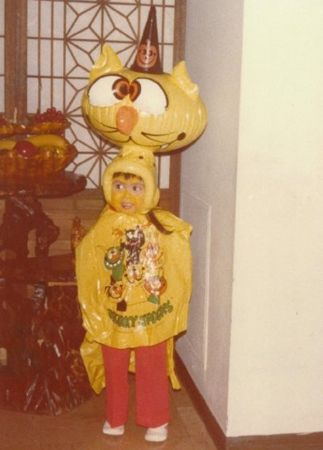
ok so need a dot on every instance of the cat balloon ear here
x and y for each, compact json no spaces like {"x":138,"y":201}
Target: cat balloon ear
{"x":107,"y":62}
{"x":147,"y":57}
{"x":184,"y":81}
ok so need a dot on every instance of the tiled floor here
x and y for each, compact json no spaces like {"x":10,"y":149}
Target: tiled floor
{"x":80,"y":429}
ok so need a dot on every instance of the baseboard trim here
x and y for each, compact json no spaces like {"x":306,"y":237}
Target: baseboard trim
{"x":312,"y":441}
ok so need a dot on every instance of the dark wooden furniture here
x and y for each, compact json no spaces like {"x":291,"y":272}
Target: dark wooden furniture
{"x":24,"y":213}
{"x":41,"y":370}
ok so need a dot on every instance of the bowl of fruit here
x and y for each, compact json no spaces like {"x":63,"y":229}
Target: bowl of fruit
{"x":37,"y":149}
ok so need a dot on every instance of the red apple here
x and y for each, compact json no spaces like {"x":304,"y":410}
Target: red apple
{"x":26,"y":149}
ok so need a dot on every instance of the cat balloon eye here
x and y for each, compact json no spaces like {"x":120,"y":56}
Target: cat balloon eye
{"x":146,"y":94}
{"x":122,"y":88}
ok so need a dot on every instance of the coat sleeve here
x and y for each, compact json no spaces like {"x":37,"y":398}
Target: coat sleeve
{"x":88,"y":282}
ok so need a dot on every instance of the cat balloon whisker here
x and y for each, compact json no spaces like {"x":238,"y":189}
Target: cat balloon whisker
{"x":148,"y":135}
{"x":107,"y":127}
{"x":153,"y":137}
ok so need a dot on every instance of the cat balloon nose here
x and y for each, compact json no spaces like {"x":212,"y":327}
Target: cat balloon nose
{"x":126,"y":119}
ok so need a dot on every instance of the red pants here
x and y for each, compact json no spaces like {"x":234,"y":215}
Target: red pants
{"x":152,"y":401}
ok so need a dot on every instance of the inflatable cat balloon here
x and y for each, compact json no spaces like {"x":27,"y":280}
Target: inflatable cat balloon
{"x":142,"y":106}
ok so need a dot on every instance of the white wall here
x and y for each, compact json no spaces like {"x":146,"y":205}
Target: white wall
{"x":276,"y":365}
{"x":267,"y":235}
{"x":213,"y":50}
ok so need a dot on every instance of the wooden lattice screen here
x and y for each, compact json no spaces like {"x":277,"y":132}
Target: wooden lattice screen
{"x":47,"y":48}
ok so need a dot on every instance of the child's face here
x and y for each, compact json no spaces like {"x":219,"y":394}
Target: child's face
{"x":127,"y":194}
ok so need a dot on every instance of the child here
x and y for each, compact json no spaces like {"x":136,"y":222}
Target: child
{"x":134,"y":266}
{"x":134,"y":280}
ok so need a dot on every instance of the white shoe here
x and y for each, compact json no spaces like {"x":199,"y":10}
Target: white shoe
{"x":112,"y":431}
{"x":157,"y":434}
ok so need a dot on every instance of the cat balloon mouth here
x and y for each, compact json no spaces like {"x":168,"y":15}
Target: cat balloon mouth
{"x":156,"y":143}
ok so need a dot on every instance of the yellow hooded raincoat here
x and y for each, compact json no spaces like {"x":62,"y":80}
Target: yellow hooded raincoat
{"x":134,"y":282}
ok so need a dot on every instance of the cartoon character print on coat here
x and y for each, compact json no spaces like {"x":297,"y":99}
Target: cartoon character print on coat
{"x":135,"y":239}
{"x":155,"y":283}
{"x":136,"y":260}
{"x":113,"y":259}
